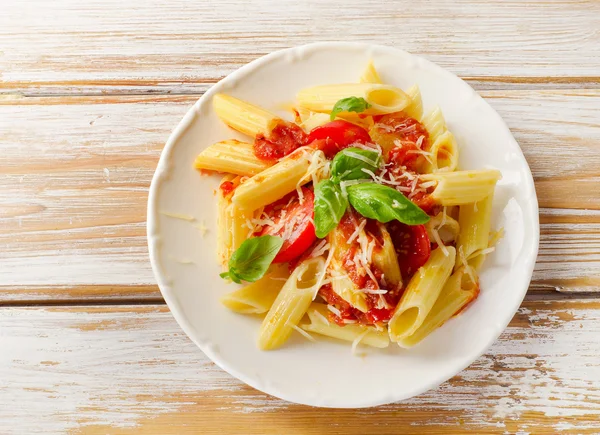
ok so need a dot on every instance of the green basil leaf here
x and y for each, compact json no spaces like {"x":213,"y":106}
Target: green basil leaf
{"x":384,"y":204}
{"x":252,"y":259}
{"x":349,"y":163}
{"x":350,"y":104}
{"x":330,"y":206}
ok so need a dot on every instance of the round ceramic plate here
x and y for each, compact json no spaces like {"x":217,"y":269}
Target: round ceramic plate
{"x":326,"y":373}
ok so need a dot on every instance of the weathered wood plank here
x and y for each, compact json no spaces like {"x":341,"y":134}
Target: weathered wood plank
{"x":75,"y":171}
{"x":131,"y":370}
{"x":183,"y":46}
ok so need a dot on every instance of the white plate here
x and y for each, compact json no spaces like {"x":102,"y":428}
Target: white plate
{"x":326,"y":373}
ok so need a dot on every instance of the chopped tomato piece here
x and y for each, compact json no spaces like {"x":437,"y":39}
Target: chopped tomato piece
{"x":294,"y":223}
{"x":284,"y":139}
{"x":337,"y":135}
{"x":412,"y":246}
{"x":226,"y":187}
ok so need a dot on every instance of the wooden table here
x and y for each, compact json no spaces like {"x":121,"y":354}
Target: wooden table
{"x":89,"y":92}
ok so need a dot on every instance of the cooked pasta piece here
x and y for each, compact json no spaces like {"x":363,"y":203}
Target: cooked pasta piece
{"x":444,"y":154}
{"x":435,"y":124}
{"x":475,"y":222}
{"x":244,"y":117}
{"x":385,"y":259}
{"x":462,"y":187}
{"x":275,"y":182}
{"x":370,"y":74}
{"x":258,"y":297}
{"x":382,"y":98}
{"x":317,"y":313}
{"x":458,"y":292}
{"x":231,"y":156}
{"x":343,"y":286}
{"x":291,"y":304}
{"x":224,"y":225}
{"x":421,"y":293}
{"x":415,"y":108}
{"x":314,"y":120}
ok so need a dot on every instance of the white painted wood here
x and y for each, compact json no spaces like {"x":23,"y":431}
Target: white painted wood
{"x":186,"y":45}
{"x":131,"y":369}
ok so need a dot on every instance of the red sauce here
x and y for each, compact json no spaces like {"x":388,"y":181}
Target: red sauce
{"x":406,"y":128}
{"x":281,"y":141}
{"x":227,"y":187}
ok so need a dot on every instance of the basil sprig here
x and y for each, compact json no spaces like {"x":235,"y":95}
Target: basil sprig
{"x":330,"y":206}
{"x":252,"y":259}
{"x":350,"y":104}
{"x":349,"y":163}
{"x":372,"y":200}
{"x":382,"y":203}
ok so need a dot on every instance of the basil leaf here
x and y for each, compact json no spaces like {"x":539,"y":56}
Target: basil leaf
{"x":350,"y":104}
{"x":384,"y":204}
{"x":252,"y":259}
{"x":330,"y":206}
{"x":349,"y":163}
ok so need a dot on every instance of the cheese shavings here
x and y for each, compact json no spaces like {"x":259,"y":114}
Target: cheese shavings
{"x":357,"y":231}
{"x":182,"y":216}
{"x":320,"y":249}
{"x":334,"y":310}
{"x":301,"y":332}
{"x":322,"y":274}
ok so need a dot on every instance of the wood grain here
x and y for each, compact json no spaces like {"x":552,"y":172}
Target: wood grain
{"x":75,"y":172}
{"x":122,"y":370}
{"x":182,"y":46}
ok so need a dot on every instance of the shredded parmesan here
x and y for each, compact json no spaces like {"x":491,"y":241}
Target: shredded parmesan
{"x":428,"y":156}
{"x":357,"y":231}
{"x":420,"y":141}
{"x":185,"y":217}
{"x":487,"y":251}
{"x":301,"y":332}
{"x":463,"y":260}
{"x":320,"y":249}
{"x":322,"y":274}
{"x":357,"y":340}
{"x":374,"y":292}
{"x":334,"y":310}
{"x":438,"y":240}
{"x":357,"y":156}
{"x":321,"y":317}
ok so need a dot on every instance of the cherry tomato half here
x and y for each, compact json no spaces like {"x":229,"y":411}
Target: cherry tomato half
{"x":337,"y":135}
{"x":412,"y":246}
{"x":297,"y":230}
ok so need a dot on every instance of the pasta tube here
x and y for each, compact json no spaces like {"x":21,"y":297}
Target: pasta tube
{"x":258,"y":297}
{"x":370,"y":74}
{"x":475,"y":222}
{"x":435,"y":124}
{"x":382,"y":98}
{"x":244,"y":117}
{"x":231,"y":156}
{"x":458,"y":292}
{"x":415,"y":108}
{"x":317,"y":313}
{"x":421,"y":293}
{"x":275,"y":182}
{"x":463,"y":187}
{"x":291,"y":304}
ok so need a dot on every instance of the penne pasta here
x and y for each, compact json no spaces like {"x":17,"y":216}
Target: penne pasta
{"x":368,"y":335}
{"x":275,"y":182}
{"x":444,"y":153}
{"x":291,"y":304}
{"x":231,"y":156}
{"x":244,"y":117}
{"x":315,"y":120}
{"x":462,"y":187}
{"x":385,"y":259}
{"x":415,"y":108}
{"x":382,"y":98}
{"x":435,"y":124}
{"x":343,"y":286}
{"x":475,"y":222}
{"x":457,"y":293}
{"x":370,"y":74}
{"x":421,"y":293}
{"x":258,"y":297}
{"x":224,"y":225}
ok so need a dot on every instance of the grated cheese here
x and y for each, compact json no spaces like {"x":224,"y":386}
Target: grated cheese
{"x":357,"y":156}
{"x":320,"y":248}
{"x":334,"y":310}
{"x":301,"y":332}
{"x":322,"y":274}
{"x":428,"y":156}
{"x":357,"y":231}
{"x":357,"y":340}
{"x":374,"y":292}
{"x":468,"y":269}
{"x":321,"y":317}
{"x":182,"y":216}
{"x":420,"y":141}
{"x":438,"y":240}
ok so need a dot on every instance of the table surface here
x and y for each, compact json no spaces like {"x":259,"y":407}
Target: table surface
{"x":89,"y":92}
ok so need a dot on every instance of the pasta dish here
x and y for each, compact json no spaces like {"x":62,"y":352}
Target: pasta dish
{"x":353,"y":221}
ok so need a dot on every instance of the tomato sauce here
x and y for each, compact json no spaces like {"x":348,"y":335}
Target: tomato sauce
{"x":227,"y":187}
{"x":281,"y":141}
